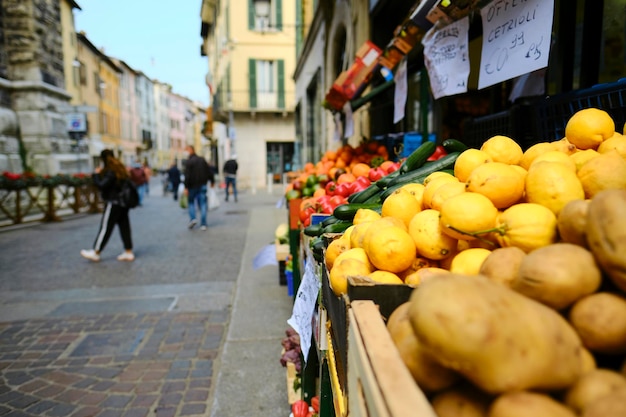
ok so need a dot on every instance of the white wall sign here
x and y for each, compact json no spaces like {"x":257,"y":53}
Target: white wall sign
{"x":76,"y":122}
{"x":446,"y":58}
{"x":400,"y":94}
{"x":516,"y":39}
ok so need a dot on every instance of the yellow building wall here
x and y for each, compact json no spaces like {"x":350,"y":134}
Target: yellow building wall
{"x":110,"y":107}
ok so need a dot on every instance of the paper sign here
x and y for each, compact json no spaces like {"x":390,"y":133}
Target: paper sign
{"x":446,"y":58}
{"x":516,"y":39}
{"x":301,"y":319}
{"x":266,"y":256}
{"x":399,"y":98}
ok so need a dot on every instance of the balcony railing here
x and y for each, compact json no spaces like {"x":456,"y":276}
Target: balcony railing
{"x":262,"y":101}
{"x":30,"y":199}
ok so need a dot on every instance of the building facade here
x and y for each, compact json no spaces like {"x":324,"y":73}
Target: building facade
{"x":251,"y":62}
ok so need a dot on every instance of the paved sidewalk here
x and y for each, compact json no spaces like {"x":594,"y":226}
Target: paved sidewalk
{"x":188,"y":329}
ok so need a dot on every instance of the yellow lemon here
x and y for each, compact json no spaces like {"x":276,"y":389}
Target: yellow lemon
{"x":422,"y":275}
{"x":503,"y":149}
{"x":555,"y":156}
{"x":432,"y":187}
{"x":384,"y":277}
{"x":418,"y":263}
{"x":334,"y":249}
{"x":552,"y":185}
{"x":564,"y":146}
{"x":467,"y":161}
{"x":533,"y":152}
{"x":430,"y":240}
{"x":497,"y":181}
{"x":520,"y":170}
{"x":338,"y":276}
{"x":445,"y":192}
{"x":346,"y":233}
{"x":436,"y":174}
{"x":588,"y":128}
{"x":391,"y":221}
{"x":416,"y":189}
{"x":617,"y":142}
{"x":469,"y":261}
{"x":580,"y":158}
{"x":358,"y":234}
{"x":365,"y":215}
{"x":607,"y":171}
{"x":527,"y":226}
{"x":465,"y":215}
{"x":390,"y":248}
{"x":402,"y":205}
{"x":355,"y":253}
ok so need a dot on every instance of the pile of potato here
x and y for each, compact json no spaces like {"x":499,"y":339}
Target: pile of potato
{"x":537,"y":334}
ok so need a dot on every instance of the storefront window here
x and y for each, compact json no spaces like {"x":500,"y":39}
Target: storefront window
{"x":613,"y":64}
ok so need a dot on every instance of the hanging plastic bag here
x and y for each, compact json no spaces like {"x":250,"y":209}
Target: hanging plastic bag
{"x":214,"y":202}
{"x":183,"y":200}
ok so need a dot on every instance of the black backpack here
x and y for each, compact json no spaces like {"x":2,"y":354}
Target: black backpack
{"x":129,"y":197}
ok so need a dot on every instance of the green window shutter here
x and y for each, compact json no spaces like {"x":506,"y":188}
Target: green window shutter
{"x":250,"y":15}
{"x":252,"y":70}
{"x":281,"y":83}
{"x":299,"y":29}
{"x":279,"y":14}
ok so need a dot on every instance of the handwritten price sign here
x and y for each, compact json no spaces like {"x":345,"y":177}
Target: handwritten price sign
{"x":516,"y":39}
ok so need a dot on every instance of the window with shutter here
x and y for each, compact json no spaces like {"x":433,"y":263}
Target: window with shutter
{"x":278,"y":14}
{"x":281,"y":83}
{"x":252,"y":75}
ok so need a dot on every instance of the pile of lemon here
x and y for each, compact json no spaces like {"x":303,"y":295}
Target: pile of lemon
{"x":499,"y":196}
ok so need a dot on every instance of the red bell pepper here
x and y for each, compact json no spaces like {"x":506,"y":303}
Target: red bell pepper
{"x":337,"y":200}
{"x":363,"y":181}
{"x":376,"y":173}
{"x":440,"y":151}
{"x":331,"y":188}
{"x":300,"y":408}
{"x":345,"y":189}
{"x":315,"y":403}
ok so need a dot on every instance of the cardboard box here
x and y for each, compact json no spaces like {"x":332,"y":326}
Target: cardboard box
{"x":379,"y":384}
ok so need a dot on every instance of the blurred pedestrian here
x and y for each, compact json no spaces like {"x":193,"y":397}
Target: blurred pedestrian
{"x":173,"y":178}
{"x":197,"y":174}
{"x":148,"y":171}
{"x":139,"y":178}
{"x":108,"y":179}
{"x":230,"y":176}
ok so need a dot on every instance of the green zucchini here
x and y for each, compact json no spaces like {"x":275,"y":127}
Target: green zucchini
{"x":364,"y":195}
{"x":453,"y":145}
{"x":313,"y":230}
{"x":442,"y":163}
{"x":347,"y":211}
{"x":338,"y":227}
{"x":417,"y":158}
{"x":329,"y":220}
{"x":382,"y":183}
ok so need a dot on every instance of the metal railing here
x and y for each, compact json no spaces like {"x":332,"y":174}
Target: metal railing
{"x":46,"y":201}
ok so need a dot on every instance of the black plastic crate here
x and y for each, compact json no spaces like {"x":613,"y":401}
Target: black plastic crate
{"x":477,"y":130}
{"x":553,"y":113}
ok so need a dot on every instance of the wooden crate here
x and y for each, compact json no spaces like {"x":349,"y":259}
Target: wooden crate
{"x":379,"y":384}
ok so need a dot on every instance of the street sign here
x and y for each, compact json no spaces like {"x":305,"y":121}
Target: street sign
{"x":78,"y":109}
{"x":76,"y":122}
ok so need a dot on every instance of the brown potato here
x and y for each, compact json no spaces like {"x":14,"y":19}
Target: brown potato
{"x":593,"y":386}
{"x":572,"y":222}
{"x":606,"y":233}
{"x":461,"y":401}
{"x":526,"y":404}
{"x":612,"y":405}
{"x":600,"y":320}
{"x":502,"y":265}
{"x":557,"y":275}
{"x":429,"y":375}
{"x":498,"y":339}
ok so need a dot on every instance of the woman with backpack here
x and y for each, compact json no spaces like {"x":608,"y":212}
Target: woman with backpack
{"x":109,"y":179}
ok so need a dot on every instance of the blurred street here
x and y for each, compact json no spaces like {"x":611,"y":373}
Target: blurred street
{"x":187,"y":329}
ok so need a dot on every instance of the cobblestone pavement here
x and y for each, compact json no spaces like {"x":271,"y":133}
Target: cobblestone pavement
{"x":111,"y":338}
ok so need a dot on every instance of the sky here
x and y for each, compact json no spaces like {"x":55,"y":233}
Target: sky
{"x":157,"y":37}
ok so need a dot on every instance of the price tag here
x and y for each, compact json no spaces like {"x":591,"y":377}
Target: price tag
{"x":301,"y":319}
{"x":446,"y":58}
{"x":516,"y":39}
